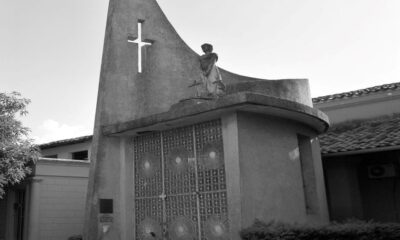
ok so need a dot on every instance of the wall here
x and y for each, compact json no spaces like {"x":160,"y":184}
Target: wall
{"x":271,"y":173}
{"x":352,"y":194}
{"x":343,"y":190}
{"x":363,"y":107}
{"x":3,"y":212}
{"x":57,"y":208}
{"x":381,"y":197}
{"x":64,"y":152}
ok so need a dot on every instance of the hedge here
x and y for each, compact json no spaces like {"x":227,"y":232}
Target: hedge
{"x":354,"y":230}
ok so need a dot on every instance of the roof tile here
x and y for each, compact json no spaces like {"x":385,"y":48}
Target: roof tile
{"x":65,"y":142}
{"x":361,"y":135}
{"x":357,"y":93}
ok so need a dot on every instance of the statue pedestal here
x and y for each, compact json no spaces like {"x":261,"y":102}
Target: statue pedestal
{"x":189,"y":102}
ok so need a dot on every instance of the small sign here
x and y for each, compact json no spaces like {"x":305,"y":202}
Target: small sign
{"x":106,"y":206}
{"x":106,"y":218}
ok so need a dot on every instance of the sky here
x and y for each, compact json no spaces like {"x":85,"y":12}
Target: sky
{"x":50,"y":50}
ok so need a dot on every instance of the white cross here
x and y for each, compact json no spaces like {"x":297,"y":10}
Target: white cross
{"x":140,"y":44}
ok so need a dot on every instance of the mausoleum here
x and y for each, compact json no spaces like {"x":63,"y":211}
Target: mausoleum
{"x":170,"y":161}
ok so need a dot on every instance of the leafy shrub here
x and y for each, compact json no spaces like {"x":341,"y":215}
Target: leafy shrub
{"x":17,"y":151}
{"x":354,"y":230}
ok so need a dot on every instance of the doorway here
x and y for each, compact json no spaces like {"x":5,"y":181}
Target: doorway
{"x":180,"y":183}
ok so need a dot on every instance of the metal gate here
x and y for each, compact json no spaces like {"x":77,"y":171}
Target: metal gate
{"x":180,"y":186}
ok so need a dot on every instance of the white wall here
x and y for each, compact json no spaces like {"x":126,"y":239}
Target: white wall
{"x":362,"y":107}
{"x":58,"y":203}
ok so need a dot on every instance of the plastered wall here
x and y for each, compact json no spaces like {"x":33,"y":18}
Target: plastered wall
{"x":62,"y":207}
{"x":365,"y":107}
{"x":271,"y":172}
{"x":58,"y":205}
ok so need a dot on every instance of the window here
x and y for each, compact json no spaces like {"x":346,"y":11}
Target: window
{"x":81,"y":155}
{"x":51,"y":156}
{"x":308,"y":174}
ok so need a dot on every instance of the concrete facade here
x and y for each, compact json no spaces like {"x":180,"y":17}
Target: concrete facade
{"x":271,"y":166}
{"x":264,"y":173}
{"x":131,"y":104}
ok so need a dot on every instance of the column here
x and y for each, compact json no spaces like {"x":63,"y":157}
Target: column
{"x":34,"y":209}
{"x":232,"y":169}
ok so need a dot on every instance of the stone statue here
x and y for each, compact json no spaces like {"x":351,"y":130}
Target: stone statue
{"x":210,"y":75}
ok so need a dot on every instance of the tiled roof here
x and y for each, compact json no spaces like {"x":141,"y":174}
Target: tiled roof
{"x":357,"y":93}
{"x":65,"y":142}
{"x":362,"y":135}
{"x":345,"y":137}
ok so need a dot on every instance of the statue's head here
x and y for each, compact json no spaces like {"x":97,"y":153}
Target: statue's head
{"x":207,"y":48}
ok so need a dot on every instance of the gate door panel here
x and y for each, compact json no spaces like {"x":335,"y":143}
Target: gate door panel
{"x":211,"y":179}
{"x":180,"y":188}
{"x":148,"y":186}
{"x":180,"y":183}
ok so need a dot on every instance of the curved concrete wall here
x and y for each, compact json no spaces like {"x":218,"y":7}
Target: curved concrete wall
{"x":296,"y":90}
{"x":169,"y":67}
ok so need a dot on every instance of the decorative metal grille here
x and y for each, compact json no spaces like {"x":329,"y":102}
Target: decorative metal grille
{"x":213,"y":204}
{"x":180,"y":186}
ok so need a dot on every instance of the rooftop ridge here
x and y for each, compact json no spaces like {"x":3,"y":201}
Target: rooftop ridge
{"x":65,"y":142}
{"x":357,"y":93}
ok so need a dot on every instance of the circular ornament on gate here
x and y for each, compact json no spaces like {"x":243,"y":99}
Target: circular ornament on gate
{"x":182,"y":228}
{"x":150,"y":229}
{"x":178,"y":160}
{"x":148,"y":165}
{"x":212,"y":156}
{"x":216,"y":229}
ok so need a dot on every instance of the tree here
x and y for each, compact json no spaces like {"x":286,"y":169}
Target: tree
{"x":17,"y":151}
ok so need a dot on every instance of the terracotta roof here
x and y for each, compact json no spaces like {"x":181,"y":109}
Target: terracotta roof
{"x":362,"y":135}
{"x":357,"y":93}
{"x":65,"y":142}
